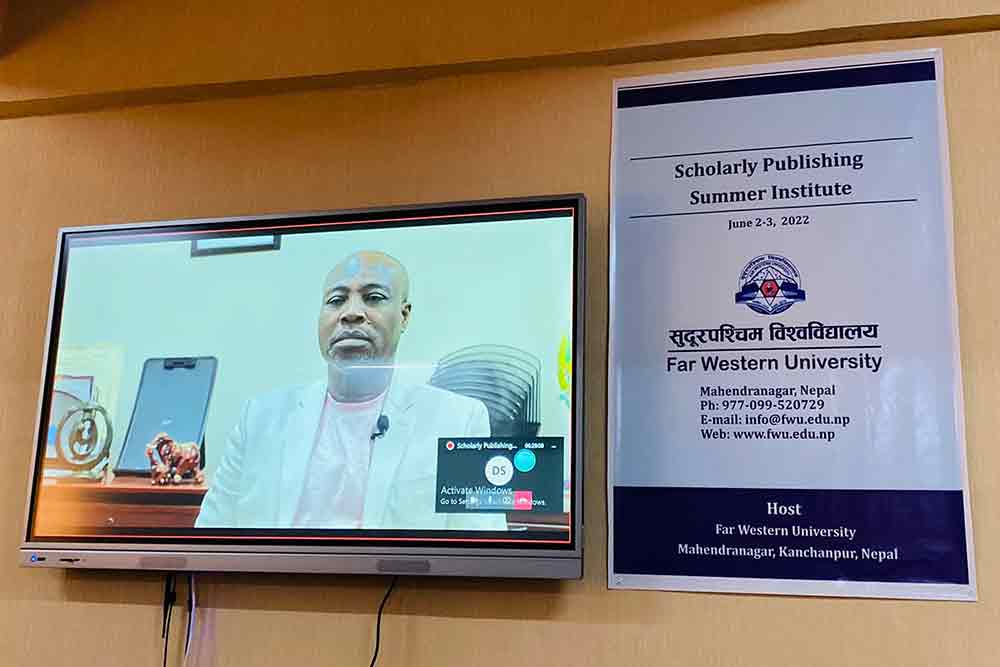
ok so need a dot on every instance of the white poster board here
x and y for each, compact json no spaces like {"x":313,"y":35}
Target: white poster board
{"x":785,"y":400}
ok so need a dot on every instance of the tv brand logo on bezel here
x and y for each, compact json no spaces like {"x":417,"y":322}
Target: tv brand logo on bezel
{"x":770,"y":284}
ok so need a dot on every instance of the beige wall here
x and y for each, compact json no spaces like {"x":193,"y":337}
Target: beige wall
{"x":57,"y":48}
{"x":533,"y":129}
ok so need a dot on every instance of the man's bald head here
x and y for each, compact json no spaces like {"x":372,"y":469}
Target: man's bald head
{"x":377,"y":263}
{"x":366,"y":307}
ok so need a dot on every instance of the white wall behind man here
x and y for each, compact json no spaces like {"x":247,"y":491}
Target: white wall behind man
{"x":499,"y":283}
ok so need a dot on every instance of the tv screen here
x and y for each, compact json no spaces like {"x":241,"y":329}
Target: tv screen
{"x":384,"y":390}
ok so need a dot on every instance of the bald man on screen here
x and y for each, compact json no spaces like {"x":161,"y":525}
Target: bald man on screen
{"x":358,"y":449}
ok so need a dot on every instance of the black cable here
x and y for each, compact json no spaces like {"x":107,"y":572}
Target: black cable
{"x":169,"y":597}
{"x":378,"y":618}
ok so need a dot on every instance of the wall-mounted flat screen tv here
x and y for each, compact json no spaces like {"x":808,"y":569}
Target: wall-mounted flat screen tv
{"x":392,"y":390}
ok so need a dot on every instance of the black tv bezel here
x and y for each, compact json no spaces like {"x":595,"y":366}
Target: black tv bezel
{"x":326,"y":551}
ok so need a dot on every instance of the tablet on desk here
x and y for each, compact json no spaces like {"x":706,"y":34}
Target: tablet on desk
{"x":172,"y":398}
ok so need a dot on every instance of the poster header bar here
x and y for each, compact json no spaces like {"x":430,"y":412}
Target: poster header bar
{"x":772,"y":84}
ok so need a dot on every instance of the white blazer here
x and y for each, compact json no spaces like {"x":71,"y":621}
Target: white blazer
{"x":260,"y":480}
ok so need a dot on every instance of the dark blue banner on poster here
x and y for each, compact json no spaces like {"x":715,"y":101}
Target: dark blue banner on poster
{"x":896,"y":536}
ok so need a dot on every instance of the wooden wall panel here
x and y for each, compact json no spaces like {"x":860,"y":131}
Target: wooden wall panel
{"x":54,"y":48}
{"x":463,"y":137}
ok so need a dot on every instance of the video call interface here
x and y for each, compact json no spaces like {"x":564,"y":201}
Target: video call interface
{"x":402,"y":376}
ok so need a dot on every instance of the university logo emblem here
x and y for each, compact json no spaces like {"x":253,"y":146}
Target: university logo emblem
{"x":770,"y":284}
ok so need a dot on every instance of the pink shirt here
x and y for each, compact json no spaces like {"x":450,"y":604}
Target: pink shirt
{"x":337,"y":478}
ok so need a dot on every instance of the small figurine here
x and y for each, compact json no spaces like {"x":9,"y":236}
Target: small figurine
{"x":172,"y":462}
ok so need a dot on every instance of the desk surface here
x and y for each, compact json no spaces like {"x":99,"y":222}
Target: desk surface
{"x":78,"y":506}
{"x":123,"y":482}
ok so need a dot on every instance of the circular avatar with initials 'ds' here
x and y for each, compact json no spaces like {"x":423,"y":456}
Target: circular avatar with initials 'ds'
{"x":499,"y":470}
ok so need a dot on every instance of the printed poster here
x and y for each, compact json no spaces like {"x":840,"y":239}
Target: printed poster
{"x":785,"y":399}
